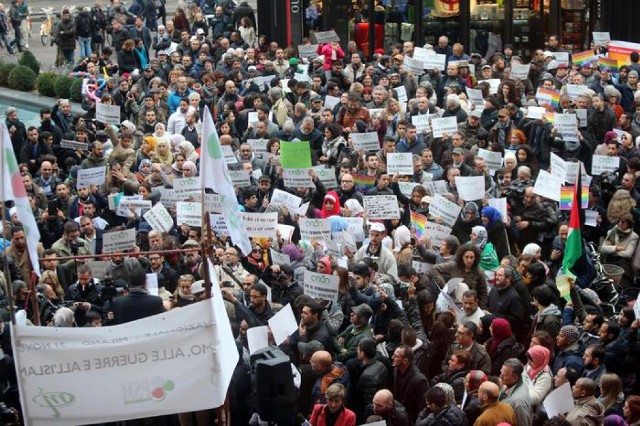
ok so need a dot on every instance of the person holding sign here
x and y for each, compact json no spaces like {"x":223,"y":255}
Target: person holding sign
{"x":385,"y":260}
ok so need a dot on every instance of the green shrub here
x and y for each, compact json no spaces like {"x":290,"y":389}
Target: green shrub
{"x":45,"y":84}
{"x":62,"y":86}
{"x":22,"y":78}
{"x":5,"y":70}
{"x":76,"y":90}
{"x":29,"y":60}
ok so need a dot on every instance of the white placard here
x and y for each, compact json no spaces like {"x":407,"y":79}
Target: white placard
{"x":432,"y":60}
{"x":229,"y":156}
{"x":117,"y":241}
{"x":315,"y":229}
{"x":213,"y":203}
{"x":475,"y":97}
{"x":548,"y":185}
{"x":108,"y":113}
{"x":559,"y":401}
{"x":401,"y":92}
{"x":603,"y":164}
{"x":219,"y":224}
{"x":520,"y":71}
{"x":567,"y":126}
{"x":152,"y":283}
{"x":259,"y":147}
{"x":297,"y":178}
{"x":287,"y":199}
{"x":93,"y":176}
{"x":283,"y":324}
{"x":366,"y":141}
{"x":493,"y":83}
{"x":355,"y":227}
{"x":470,"y":187}
{"x":189,"y":213}
{"x":400,"y":162}
{"x":327,"y":176}
{"x":536,"y":113}
{"x":445,"y":209}
{"x":261,"y":224}
{"x":307,"y":50}
{"x":436,"y":187}
{"x":331,"y":101}
{"x":279,"y":258}
{"x":601,"y":38}
{"x":136,"y":203}
{"x":406,"y":188}
{"x":416,"y":66}
{"x":575,"y":90}
{"x":499,"y":204}
{"x":326,"y":36}
{"x":421,"y":267}
{"x":159,"y":218}
{"x":257,"y":338}
{"x":381,"y":207}
{"x":185,"y":188}
{"x":240,"y":178}
{"x":75,"y":145}
{"x":561,"y":57}
{"x":321,"y":286}
{"x":591,"y":218}
{"x":422,"y":123}
{"x":493,"y":159}
{"x":558,"y":167}
{"x":582,"y":117}
{"x":436,"y":232}
{"x":98,"y":268}
{"x":286,"y":232}
{"x":440,"y":126}
{"x":166,"y":196}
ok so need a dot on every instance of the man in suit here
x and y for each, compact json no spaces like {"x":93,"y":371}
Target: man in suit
{"x":138,"y":303}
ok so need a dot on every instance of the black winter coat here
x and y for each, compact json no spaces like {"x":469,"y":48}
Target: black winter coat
{"x":66,"y":35}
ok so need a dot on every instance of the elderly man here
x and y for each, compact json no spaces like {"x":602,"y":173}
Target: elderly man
{"x":231,"y":273}
{"x":533,"y":219}
{"x":514,"y":391}
{"x":494,"y":412}
{"x":374,"y":249}
{"x":391,"y":411}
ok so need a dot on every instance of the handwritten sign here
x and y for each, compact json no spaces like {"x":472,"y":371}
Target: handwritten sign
{"x":219,"y":224}
{"x":315,"y":229}
{"x":366,"y":141}
{"x":261,"y":224}
{"x":548,"y":185}
{"x":321,"y":286}
{"x":189,"y":213}
{"x":436,"y":232}
{"x":93,"y":176}
{"x":108,"y":113}
{"x":118,"y":241}
{"x":159,"y":218}
{"x":445,"y":209}
{"x":602,"y":164}
{"x":441,"y":126}
{"x":307,"y":51}
{"x":470,"y":187}
{"x":75,"y":145}
{"x":381,"y":206}
{"x":401,"y":163}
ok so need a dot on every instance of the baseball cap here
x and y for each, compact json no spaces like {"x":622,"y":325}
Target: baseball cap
{"x":200,"y":31}
{"x":377,"y":226}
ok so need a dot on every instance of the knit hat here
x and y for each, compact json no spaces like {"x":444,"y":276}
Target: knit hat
{"x":509,"y":155}
{"x":475,"y":378}
{"x":633,"y":73}
{"x":309,"y":348}
{"x":571,"y":333}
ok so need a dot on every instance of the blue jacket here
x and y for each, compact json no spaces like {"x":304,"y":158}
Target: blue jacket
{"x":175,"y":98}
{"x":570,"y":357}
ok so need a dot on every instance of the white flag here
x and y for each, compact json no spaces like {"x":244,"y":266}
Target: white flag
{"x":215,"y":176}
{"x":13,"y":189}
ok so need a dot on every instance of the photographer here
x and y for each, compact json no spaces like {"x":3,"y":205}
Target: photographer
{"x":86,"y":292}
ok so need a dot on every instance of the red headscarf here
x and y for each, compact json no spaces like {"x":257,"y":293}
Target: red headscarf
{"x":501,"y":331}
{"x":331,"y":196}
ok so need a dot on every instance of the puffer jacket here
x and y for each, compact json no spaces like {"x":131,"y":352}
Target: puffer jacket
{"x":66,"y":39}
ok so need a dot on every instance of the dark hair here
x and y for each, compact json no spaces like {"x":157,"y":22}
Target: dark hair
{"x":261,"y":288}
{"x":597,"y":351}
{"x":543,"y":294}
{"x":613,"y":328}
{"x":334,"y":129}
{"x":462,"y":250}
{"x":436,"y":396}
{"x":406,"y":270}
{"x":315,"y":307}
{"x":472,"y":327}
{"x":71,"y":226}
{"x":368,"y":347}
{"x":137,"y":277}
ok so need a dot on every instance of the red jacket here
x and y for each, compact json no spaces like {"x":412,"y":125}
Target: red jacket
{"x":319,"y":417}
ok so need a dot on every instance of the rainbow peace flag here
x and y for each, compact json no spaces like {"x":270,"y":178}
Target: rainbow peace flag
{"x":548,"y":96}
{"x":550,"y":116}
{"x":418,"y":222}
{"x":566,"y":197}
{"x":364,"y":182}
{"x":582,"y":58}
{"x":609,"y":64}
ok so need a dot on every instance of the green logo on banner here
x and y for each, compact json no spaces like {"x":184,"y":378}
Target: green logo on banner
{"x":54,"y":400}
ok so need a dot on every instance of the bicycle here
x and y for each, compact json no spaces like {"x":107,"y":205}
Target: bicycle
{"x":46,"y":26}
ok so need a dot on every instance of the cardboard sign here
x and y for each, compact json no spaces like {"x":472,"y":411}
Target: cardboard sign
{"x":321,"y":286}
{"x":440,"y":126}
{"x":315,"y":229}
{"x":279,"y":258}
{"x":261,"y":224}
{"x":401,"y":163}
{"x":445,"y":209}
{"x":159,"y":218}
{"x":381,"y":207}
{"x":366,"y":141}
{"x":93,"y":176}
{"x":118,"y":241}
{"x":189,"y":213}
{"x":548,"y":185}
{"x":75,"y":145}
{"x":108,"y":113}
{"x":295,"y":155}
{"x":287,"y":199}
{"x":470,"y":187}
{"x":602,"y":164}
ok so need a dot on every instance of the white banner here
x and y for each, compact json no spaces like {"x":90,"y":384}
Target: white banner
{"x":159,"y":218}
{"x":261,"y":224}
{"x":178,"y":361}
{"x":548,"y":185}
{"x":445,"y":209}
{"x":315,"y":229}
{"x":447,"y":125}
{"x":400,"y":162}
{"x":75,"y":145}
{"x":108,"y":113}
{"x":113,"y":242}
{"x":381,"y":207}
{"x":365,"y":141}
{"x":321,"y":286}
{"x":601,"y":38}
{"x":93,"y":176}
{"x":470,"y":187}
{"x":189,"y":213}
{"x":603,"y":164}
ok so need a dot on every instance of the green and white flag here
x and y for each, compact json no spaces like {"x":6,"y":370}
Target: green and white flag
{"x":13,"y":189}
{"x":214,"y":175}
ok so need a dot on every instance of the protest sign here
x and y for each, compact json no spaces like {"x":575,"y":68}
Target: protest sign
{"x":98,"y":268}
{"x":470,"y":187}
{"x":135,"y":203}
{"x":213,"y":203}
{"x":185,"y":188}
{"x":259,"y":147}
{"x":117,"y":241}
{"x":591,"y":218}
{"x":307,"y":51}
{"x":366,"y":141}
{"x":432,"y":61}
{"x":421,"y":267}
{"x":575,"y":90}
{"x":422,"y":123}
{"x":406,"y":188}
{"x":475,"y":97}
{"x":152,"y":283}
{"x":400,"y":162}
{"x":279,"y":258}
{"x":535,"y":113}
{"x":75,"y":145}
{"x":499,"y":204}
{"x":548,"y":185}
{"x":436,"y":187}
{"x":93,"y":176}
{"x":283,"y":324}
{"x":520,"y":71}
{"x":218,"y":224}
{"x":285,"y":232}
{"x":558,"y":167}
{"x":603,"y":164}
{"x":321,"y":286}
{"x":257,"y":338}
{"x":327,"y":176}
{"x":315,"y":229}
{"x":491,"y":158}
{"x":416,"y":66}
{"x":561,"y":57}
{"x":445,"y":209}
{"x":547,"y":96}
{"x":240,"y":178}
{"x":154,"y":367}
{"x":295,"y":155}
{"x":447,"y":125}
{"x":229,"y":155}
{"x":331,"y":101}
{"x":418,"y":223}
{"x":401,"y":93}
{"x":559,"y":401}
{"x":601,"y":38}
{"x":493,"y":83}
{"x":107,"y":113}
{"x":571,"y":173}
{"x":355,"y":227}
{"x":436,"y":232}
{"x":567,"y":125}
{"x":297,"y":178}
{"x":326,"y":36}
{"x":189,"y":213}
{"x":287,"y":199}
{"x":261,"y":224}
{"x":381,"y":207}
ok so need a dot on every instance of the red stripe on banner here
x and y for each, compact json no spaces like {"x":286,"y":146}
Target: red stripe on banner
{"x":288,"y":22}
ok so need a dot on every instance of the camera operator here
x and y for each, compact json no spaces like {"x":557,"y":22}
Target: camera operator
{"x":48,"y":301}
{"x":70,"y":244}
{"x":110,"y":290}
{"x":138,"y":303}
{"x":86,"y":292}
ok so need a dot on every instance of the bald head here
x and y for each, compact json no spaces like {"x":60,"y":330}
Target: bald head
{"x":488,"y":392}
{"x":322,"y":358}
{"x":383,"y":401}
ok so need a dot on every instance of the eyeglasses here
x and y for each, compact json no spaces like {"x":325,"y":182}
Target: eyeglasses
{"x":256,"y":251}
{"x":346,"y":181}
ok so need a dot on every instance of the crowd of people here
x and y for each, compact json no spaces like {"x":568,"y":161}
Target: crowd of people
{"x":385,"y":348}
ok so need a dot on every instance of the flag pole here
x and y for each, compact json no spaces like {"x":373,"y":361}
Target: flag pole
{"x":7,"y":274}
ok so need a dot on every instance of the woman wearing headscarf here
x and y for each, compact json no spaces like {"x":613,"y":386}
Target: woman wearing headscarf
{"x":144,"y":170}
{"x":488,"y":257}
{"x":469,"y":217}
{"x":189,"y":151}
{"x":147,"y":149}
{"x":163,"y":154}
{"x":497,"y":235}
{"x":402,"y":245}
{"x":537,"y":369}
{"x":330,"y":206}
{"x":189,"y":169}
{"x":502,"y":344}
